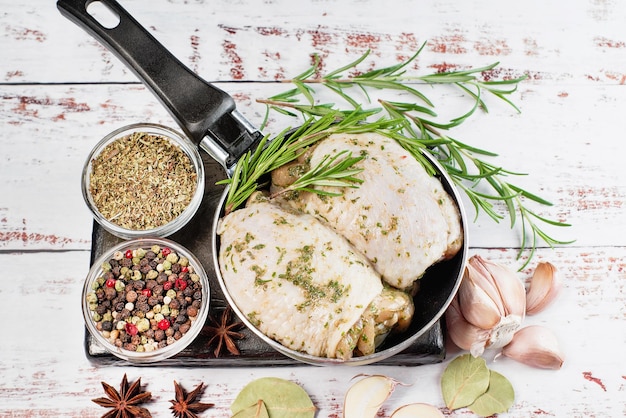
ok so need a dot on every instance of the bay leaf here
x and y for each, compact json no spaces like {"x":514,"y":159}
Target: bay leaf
{"x":257,"y":410}
{"x":282,"y":398}
{"x":498,"y":398}
{"x":464,"y":380}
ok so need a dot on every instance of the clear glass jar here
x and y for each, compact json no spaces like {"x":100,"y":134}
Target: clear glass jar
{"x":97,"y":271}
{"x":175,"y":224}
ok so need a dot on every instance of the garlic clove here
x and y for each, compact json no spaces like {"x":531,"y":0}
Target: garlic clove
{"x":535,"y":346}
{"x":509,"y":286}
{"x":365,"y":397}
{"x":485,"y":280}
{"x":545,"y":284}
{"x":477,"y":307}
{"x":419,"y":410}
{"x":463,"y":334}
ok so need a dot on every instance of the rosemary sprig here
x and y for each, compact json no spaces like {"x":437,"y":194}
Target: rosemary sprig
{"x":332,"y":171}
{"x":288,"y":145}
{"x":416,"y":129}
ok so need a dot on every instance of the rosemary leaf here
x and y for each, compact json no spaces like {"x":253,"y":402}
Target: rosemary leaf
{"x":332,"y":171}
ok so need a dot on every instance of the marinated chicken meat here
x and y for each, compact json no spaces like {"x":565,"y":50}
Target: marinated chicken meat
{"x":303,"y":285}
{"x":399,"y":217}
{"x":332,"y":276}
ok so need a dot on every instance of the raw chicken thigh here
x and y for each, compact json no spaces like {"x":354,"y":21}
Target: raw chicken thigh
{"x":399,"y":217}
{"x":303,"y":285}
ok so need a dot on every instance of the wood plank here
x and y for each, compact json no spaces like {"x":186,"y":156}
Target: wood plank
{"x":254,"y":40}
{"x":562,"y":139}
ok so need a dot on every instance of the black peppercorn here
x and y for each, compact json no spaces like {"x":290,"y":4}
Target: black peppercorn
{"x":159,"y":335}
{"x":143,"y":307}
{"x":101,"y":309}
{"x":110,"y":293}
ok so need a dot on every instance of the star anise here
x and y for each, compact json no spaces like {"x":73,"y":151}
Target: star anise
{"x":185,"y":405}
{"x":125,"y":403}
{"x":225,"y":332}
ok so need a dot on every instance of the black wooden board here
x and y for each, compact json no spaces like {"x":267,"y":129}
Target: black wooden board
{"x":196,"y":237}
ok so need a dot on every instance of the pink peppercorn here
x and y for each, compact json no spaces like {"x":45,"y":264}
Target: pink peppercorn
{"x":181,"y":284}
{"x":131,"y":329}
{"x":163,"y":324}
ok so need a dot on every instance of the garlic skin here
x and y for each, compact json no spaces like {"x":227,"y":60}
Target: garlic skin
{"x":488,"y":308}
{"x":544,"y":286}
{"x":535,"y":346}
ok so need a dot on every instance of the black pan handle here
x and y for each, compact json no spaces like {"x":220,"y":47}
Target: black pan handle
{"x":195,"y":104}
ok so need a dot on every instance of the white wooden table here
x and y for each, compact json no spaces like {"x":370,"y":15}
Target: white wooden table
{"x":60,"y":92}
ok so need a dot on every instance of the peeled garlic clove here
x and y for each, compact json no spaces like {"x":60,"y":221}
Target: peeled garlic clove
{"x":365,"y":397}
{"x":535,"y":346}
{"x":509,"y":286}
{"x":476,"y":305}
{"x":465,"y":335}
{"x":545,"y":284}
{"x":417,"y":410}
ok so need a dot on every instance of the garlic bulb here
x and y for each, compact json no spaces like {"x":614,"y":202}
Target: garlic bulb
{"x":545,"y":284}
{"x":488,"y":308}
{"x":535,"y":346}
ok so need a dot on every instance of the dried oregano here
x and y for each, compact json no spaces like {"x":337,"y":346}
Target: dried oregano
{"x":468,"y":382}
{"x":142,"y":181}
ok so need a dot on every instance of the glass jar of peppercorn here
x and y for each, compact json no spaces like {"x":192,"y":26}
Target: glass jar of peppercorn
{"x":145,"y":300}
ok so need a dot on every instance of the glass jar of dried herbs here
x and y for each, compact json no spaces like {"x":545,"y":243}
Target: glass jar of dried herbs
{"x":143,"y":180}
